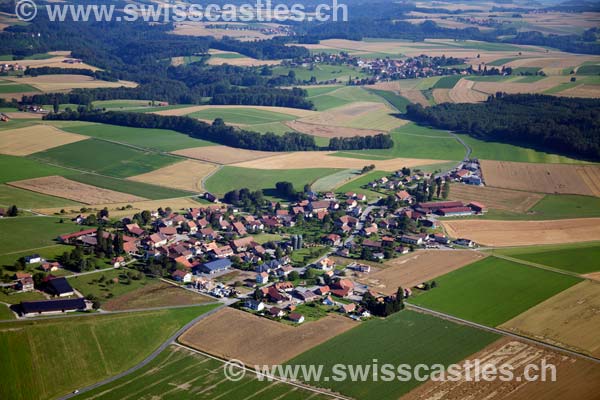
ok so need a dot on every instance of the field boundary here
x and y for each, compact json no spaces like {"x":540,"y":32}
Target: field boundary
{"x":148,"y":359}
{"x":502,"y":332}
{"x":270,"y":377}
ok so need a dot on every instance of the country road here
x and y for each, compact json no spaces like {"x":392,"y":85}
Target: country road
{"x":148,"y":359}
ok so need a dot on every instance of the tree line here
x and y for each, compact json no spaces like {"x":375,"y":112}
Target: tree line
{"x":562,"y":125}
{"x":100,"y":75}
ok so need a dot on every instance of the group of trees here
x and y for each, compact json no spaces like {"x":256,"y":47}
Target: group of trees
{"x":12,"y":211}
{"x":379,"y":141}
{"x":569,"y":126}
{"x":101,"y":75}
{"x":250,"y":201}
{"x":390,"y":305}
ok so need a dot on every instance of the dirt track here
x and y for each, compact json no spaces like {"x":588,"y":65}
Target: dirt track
{"x":256,"y":340}
{"x":525,"y":233}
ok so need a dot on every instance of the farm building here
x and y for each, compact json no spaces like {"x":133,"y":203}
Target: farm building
{"x":36,"y":308}
{"x":60,"y":287}
{"x":455,"y":211}
{"x":216,"y":266}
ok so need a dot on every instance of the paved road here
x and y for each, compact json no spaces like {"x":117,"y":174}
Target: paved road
{"x":501,"y":332}
{"x":148,"y":359}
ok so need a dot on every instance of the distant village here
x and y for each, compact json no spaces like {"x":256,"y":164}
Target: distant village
{"x":340,"y":237}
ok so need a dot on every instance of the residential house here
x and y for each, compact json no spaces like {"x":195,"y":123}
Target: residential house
{"x":296,"y":318}
{"x":255,"y":305}
{"x":262,"y":278}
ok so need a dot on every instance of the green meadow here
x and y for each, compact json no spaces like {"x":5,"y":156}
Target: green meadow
{"x":50,"y":358}
{"x":406,"y":337}
{"x":493,"y":290}
{"x":246,"y":116}
{"x":328,"y":97}
{"x":23,"y":233}
{"x":13,"y":168}
{"x":158,"y":139}
{"x":230,"y":178}
{"x":581,"y":258}
{"x":104,"y":157}
{"x":321,"y":72}
{"x":414,"y":141}
{"x":184,"y":374}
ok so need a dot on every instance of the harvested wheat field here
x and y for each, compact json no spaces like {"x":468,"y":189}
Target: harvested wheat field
{"x":465,"y":92}
{"x":517,"y":87}
{"x":120,"y":209}
{"x":362,"y":115}
{"x":442,"y":96}
{"x":297,"y":112}
{"x":223,"y":154}
{"x":219,"y":57}
{"x":35,"y":138}
{"x":159,"y":294}
{"x":410,"y":93}
{"x":185,"y":175}
{"x":254,"y":340}
{"x":575,"y":378}
{"x":591,"y":91}
{"x":418,"y":267}
{"x":23,"y":115}
{"x":329,"y":131}
{"x":543,"y":178}
{"x":325,"y":159}
{"x":525,"y":233}
{"x":67,"y":82}
{"x":570,"y":319}
{"x":68,"y":189}
{"x":194,"y":28}
{"x":499,"y":199}
{"x":55,"y":62}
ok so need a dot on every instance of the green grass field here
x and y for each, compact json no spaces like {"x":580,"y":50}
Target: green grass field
{"x":23,"y":233}
{"x":17,"y":88}
{"x":48,"y":252}
{"x":321,"y":72}
{"x":146,"y":190}
{"x":508,"y":152}
{"x":5,"y":313}
{"x":158,"y":139}
{"x":589,"y":69}
{"x":246,"y":116}
{"x":340,"y":96}
{"x":102,"y":286}
{"x":105,"y":158}
{"x":26,"y":199}
{"x":229,"y":178}
{"x":332,"y":181}
{"x":356,"y":185}
{"x":581,"y":258}
{"x":184,"y":374}
{"x":406,"y":337}
{"x":447,"y":82}
{"x":49,"y":358}
{"x":394,"y":99}
{"x":493,"y":290}
{"x":14,"y":168}
{"x":501,"y":61}
{"x":414,"y":141}
{"x":530,"y":79}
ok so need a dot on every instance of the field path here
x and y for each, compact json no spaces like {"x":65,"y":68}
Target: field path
{"x":148,"y":359}
{"x":541,"y":266}
{"x":500,"y":332}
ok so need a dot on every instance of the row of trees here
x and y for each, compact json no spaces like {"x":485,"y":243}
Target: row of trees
{"x":379,"y":141}
{"x":569,"y":126}
{"x":216,"y":132}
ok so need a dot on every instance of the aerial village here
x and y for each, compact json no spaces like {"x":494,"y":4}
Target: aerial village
{"x":312,"y":252}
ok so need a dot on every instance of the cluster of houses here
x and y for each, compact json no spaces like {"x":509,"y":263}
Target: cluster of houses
{"x":382,"y":69}
{"x":469,"y":173}
{"x":8,"y":68}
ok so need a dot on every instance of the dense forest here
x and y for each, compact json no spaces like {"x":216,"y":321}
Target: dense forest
{"x":569,"y":126}
{"x":220,"y":133}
